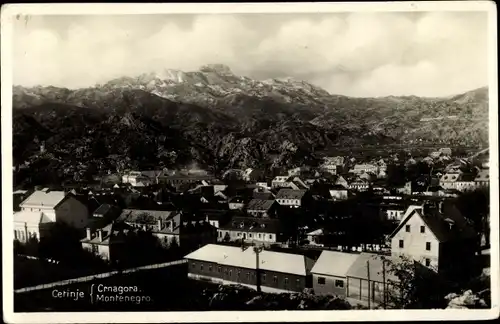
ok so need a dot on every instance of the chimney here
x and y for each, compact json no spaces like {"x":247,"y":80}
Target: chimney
{"x":160,"y":225}
{"x":89,"y":234}
{"x":99,"y":234}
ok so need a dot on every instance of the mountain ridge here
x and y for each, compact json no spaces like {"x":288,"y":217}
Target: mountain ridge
{"x":221,"y":120}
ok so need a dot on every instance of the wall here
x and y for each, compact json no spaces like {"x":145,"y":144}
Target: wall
{"x":329,"y":286}
{"x":244,"y":276}
{"x":415,"y":242}
{"x":73,"y":213}
{"x":360,"y":289}
{"x":238,"y":234}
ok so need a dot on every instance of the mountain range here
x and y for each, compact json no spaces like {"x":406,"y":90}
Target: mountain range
{"x":218,"y":119}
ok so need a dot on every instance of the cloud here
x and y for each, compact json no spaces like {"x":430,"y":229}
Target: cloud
{"x":358,"y":54}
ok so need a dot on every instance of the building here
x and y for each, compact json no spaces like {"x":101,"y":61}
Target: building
{"x":465,"y":182}
{"x":136,"y":179}
{"x":482,"y":179}
{"x":274,"y":272}
{"x":107,"y":242}
{"x":42,"y":209}
{"x":251,"y":175}
{"x":261,"y":208}
{"x":180,"y":178}
{"x":237,"y":203}
{"x":448,"y":180}
{"x":262,"y":195}
{"x":298,"y":171}
{"x":281,"y":182}
{"x":170,"y":226}
{"x":338,"y":192}
{"x":329,"y":273}
{"x":291,"y":198}
{"x":359,"y":185}
{"x":435,"y":235}
{"x":341,"y":181}
{"x":364,"y":168}
{"x":369,"y":279}
{"x":251,"y":229}
{"x":315,"y":237}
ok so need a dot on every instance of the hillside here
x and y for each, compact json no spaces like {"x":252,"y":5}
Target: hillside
{"x":221,"y":120}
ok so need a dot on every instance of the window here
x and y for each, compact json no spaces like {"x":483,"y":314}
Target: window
{"x":248,"y":275}
{"x":225,"y":271}
{"x":275,"y":279}
{"x":401,"y":244}
{"x":210,"y":268}
{"x":407,"y":228}
{"x":339,"y":283}
{"x":286,"y":282}
{"x":239,"y":273}
{"x":230,"y":273}
{"x":321,"y":280}
{"x":220,"y":234}
{"x":201,"y":266}
{"x":422,"y":229}
{"x":239,"y":234}
{"x":428,"y":246}
{"x":250,"y":235}
{"x":219,"y":269}
{"x":194,"y":265}
{"x":95,"y":248}
{"x":427,"y":262}
{"x":263,"y":277}
{"x":260,"y":235}
{"x":297,"y":282}
{"x":270,"y":236}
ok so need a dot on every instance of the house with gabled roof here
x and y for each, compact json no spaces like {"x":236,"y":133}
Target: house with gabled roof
{"x":482,"y":178}
{"x":106,"y":241}
{"x":329,"y":272}
{"x":434,"y":234}
{"x":291,"y":198}
{"x":261,"y":208}
{"x":251,"y":229}
{"x":43,"y":208}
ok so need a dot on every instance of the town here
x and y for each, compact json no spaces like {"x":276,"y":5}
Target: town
{"x":344,"y":228}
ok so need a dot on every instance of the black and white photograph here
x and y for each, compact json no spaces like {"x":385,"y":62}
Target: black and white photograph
{"x":179,"y":162}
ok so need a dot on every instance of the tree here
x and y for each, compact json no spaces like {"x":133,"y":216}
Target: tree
{"x":413,"y":286}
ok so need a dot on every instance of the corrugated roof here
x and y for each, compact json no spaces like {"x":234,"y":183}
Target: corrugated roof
{"x":334,"y":263}
{"x":46,"y":199}
{"x":359,"y":268}
{"x":290,"y":194}
{"x":268,"y":260}
{"x":258,"y":204}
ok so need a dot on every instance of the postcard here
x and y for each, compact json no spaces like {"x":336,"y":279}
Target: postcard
{"x":226,"y":162}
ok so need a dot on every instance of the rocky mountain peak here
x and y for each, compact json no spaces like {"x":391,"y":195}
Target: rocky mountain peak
{"x":217,"y":68}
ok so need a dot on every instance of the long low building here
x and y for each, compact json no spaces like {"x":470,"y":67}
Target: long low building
{"x":277,"y":272}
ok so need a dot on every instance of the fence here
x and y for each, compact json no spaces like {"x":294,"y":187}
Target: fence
{"x":98,"y":276}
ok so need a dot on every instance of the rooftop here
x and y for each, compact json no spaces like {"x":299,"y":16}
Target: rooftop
{"x":144,"y":216}
{"x":290,"y":194}
{"x":268,"y":260}
{"x":359,"y":268}
{"x":48,"y":199}
{"x":334,"y":263}
{"x":258,"y":204}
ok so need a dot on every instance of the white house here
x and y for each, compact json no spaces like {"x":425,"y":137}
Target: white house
{"x":433,"y":237}
{"x":43,"y":208}
{"x":281,"y":181}
{"x":338,"y":192}
{"x":136,"y":179}
{"x":329,"y":272}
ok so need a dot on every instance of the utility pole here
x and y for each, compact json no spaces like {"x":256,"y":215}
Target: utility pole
{"x":383,"y":285}
{"x":368,"y":275}
{"x":257,"y":250}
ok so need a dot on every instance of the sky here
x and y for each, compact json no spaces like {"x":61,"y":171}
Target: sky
{"x":355,"y":54}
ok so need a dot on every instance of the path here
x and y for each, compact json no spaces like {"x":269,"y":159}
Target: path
{"x":98,"y":276}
